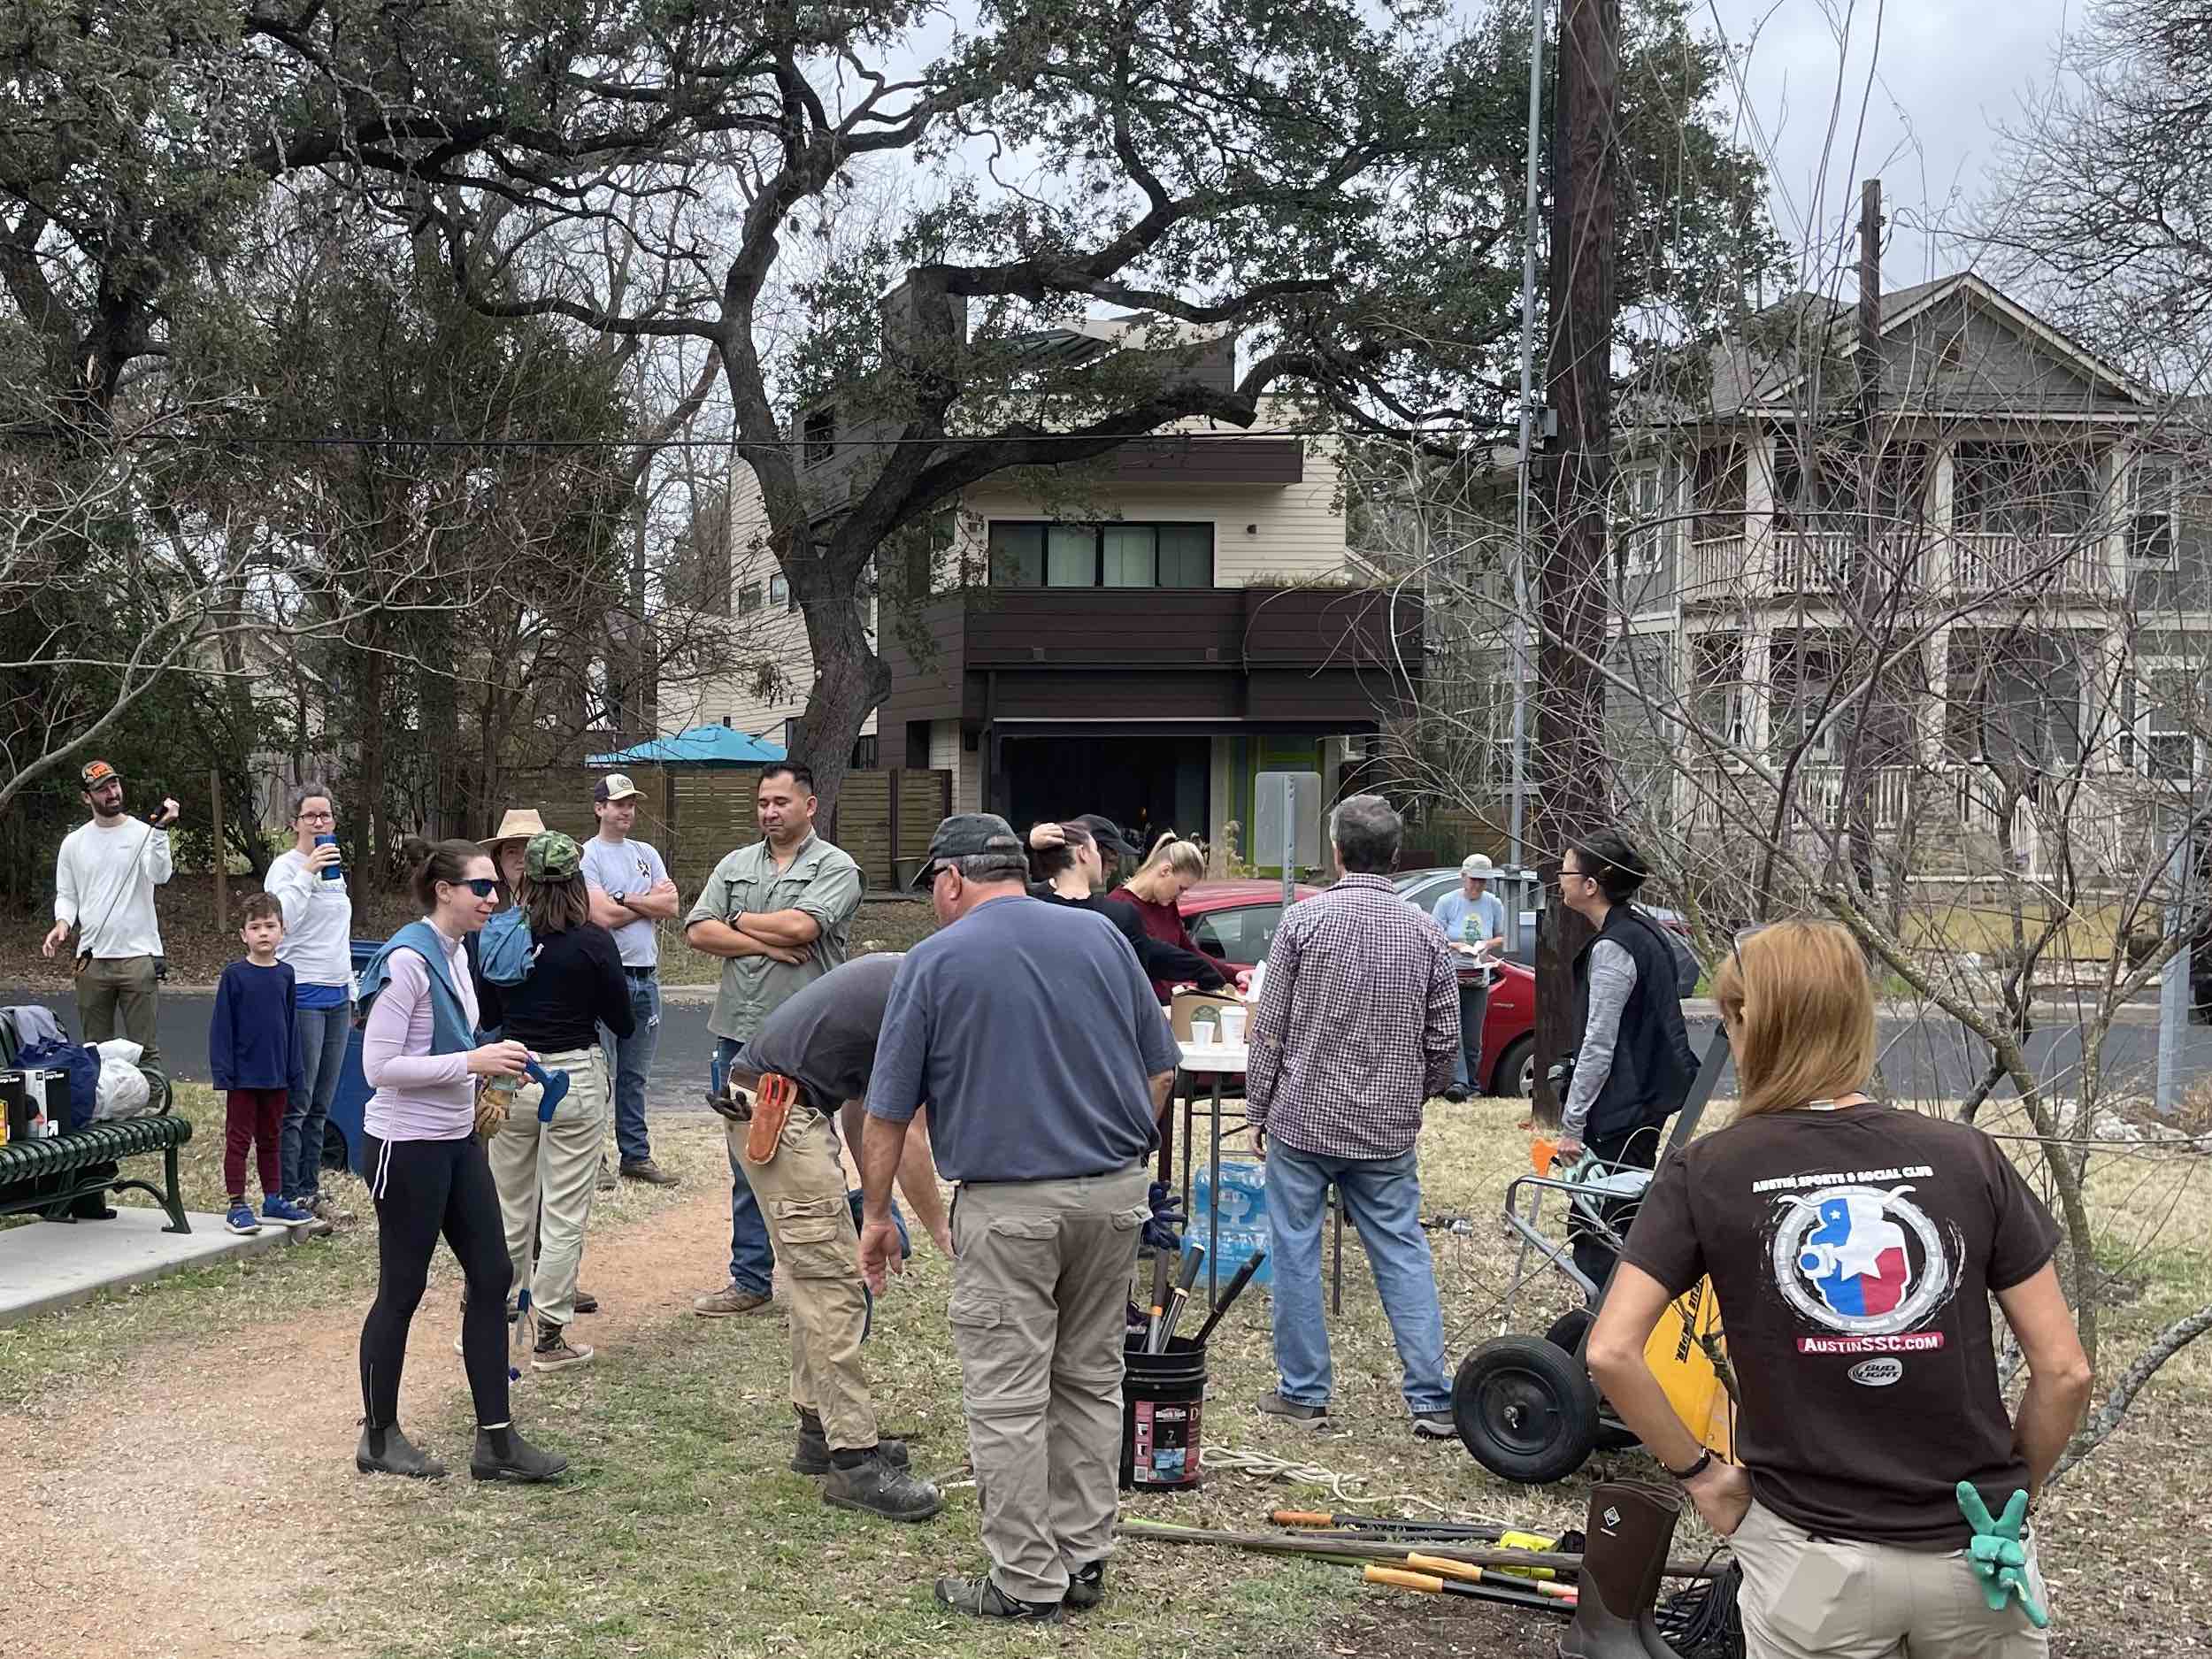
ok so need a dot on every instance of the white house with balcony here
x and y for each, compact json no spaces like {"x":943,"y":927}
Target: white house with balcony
{"x":2027,"y":523}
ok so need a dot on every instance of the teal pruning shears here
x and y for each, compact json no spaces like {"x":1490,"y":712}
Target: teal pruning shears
{"x":1999,"y":1558}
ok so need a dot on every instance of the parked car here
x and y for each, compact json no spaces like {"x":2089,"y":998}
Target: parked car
{"x":1423,"y":888}
{"x":1234,"y":922}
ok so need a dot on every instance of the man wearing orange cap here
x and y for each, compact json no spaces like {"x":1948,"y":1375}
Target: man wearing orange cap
{"x":105,"y":878}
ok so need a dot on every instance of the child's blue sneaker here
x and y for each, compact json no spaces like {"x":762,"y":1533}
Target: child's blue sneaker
{"x":241,"y":1219}
{"x":284,"y":1212}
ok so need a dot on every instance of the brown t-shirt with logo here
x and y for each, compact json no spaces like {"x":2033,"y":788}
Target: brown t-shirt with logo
{"x":1853,"y":1252}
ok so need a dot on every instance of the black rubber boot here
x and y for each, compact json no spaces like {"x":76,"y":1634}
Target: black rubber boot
{"x":1624,"y":1555}
{"x":878,"y":1487}
{"x":811,"y":1453}
{"x":503,"y":1455}
{"x":387,"y":1452}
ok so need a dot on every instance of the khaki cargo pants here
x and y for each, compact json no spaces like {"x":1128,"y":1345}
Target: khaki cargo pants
{"x":1040,"y":1293}
{"x":801,"y":1196}
{"x":1815,"y":1598}
{"x":114,"y":990}
{"x":555,"y":1165}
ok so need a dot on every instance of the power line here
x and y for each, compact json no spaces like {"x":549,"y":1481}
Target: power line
{"x":350,"y":441}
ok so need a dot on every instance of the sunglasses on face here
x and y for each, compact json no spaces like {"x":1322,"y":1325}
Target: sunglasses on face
{"x":483,"y":887}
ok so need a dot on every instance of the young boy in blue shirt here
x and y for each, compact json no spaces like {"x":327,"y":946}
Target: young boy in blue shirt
{"x":253,"y":1050}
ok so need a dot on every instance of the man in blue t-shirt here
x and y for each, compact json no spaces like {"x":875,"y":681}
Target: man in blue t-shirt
{"x":1034,"y":1037}
{"x":1474,"y":919}
{"x":631,"y":892}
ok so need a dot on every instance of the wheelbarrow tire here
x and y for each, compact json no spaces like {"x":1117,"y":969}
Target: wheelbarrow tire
{"x":1566,"y":1334}
{"x":1525,"y":1410}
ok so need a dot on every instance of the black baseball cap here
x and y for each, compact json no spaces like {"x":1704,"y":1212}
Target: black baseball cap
{"x":966,"y":835}
{"x":1107,"y":834}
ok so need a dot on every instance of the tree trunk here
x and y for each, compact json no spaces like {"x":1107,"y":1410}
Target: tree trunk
{"x":850,"y":681}
{"x":1568,"y":763}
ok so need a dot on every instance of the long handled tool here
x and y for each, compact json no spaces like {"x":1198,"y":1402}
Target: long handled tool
{"x":1153,"y":1335}
{"x":1194,"y":1258}
{"x":1236,"y":1288}
{"x":1438,"y":1567}
{"x":1428,"y":1584}
{"x":1361,"y":1550}
{"x":1381,"y":1524}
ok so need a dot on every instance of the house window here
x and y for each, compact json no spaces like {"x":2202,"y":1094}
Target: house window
{"x":817,"y":436}
{"x":780,"y":591}
{"x":1717,"y":493}
{"x":749,"y":599}
{"x":1639,"y":525}
{"x":2153,"y":499}
{"x":1118,"y":555}
{"x":2165,"y":746}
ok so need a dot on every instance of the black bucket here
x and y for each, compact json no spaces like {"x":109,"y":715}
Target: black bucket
{"x":1163,"y":1396}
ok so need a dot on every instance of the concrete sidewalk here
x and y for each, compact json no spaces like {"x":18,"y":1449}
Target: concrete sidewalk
{"x":48,"y":1264}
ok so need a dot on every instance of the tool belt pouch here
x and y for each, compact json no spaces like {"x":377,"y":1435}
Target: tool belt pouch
{"x":773,"y":1102}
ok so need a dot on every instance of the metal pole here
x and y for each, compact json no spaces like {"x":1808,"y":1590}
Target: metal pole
{"x":1528,"y":395}
{"x":2173,"y":985}
{"x":1290,"y":839}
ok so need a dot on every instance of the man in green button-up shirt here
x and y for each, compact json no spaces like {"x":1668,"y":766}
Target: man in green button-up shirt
{"x":776,"y":912}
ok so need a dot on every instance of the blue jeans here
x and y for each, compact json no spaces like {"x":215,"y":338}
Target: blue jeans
{"x":630,"y":1063}
{"x":1474,"y":1007}
{"x":1384,"y":1198}
{"x":752,"y":1258}
{"x":323,"y":1033}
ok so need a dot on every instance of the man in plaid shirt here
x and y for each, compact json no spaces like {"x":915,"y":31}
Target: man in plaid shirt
{"x":1357,"y":1025}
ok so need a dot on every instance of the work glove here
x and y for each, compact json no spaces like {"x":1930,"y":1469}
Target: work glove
{"x":1163,"y":1230}
{"x":1999,"y":1558}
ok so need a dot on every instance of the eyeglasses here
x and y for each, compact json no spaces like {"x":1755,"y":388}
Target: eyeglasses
{"x":318,"y":817}
{"x":483,"y":887}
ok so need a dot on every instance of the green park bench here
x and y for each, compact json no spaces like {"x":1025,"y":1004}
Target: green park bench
{"x":49,"y":1175}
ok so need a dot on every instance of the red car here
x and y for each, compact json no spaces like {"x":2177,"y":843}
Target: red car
{"x":1234,"y":923}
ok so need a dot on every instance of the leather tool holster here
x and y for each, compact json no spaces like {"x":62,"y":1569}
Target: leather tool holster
{"x":773,"y":1098}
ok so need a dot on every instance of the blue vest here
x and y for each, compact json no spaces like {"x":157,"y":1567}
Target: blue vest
{"x":450,"y":1030}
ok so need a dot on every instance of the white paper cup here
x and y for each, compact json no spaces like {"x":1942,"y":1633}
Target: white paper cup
{"x":1232,"y":1026}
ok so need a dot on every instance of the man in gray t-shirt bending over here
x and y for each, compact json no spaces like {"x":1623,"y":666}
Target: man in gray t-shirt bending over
{"x":1045,"y":1060}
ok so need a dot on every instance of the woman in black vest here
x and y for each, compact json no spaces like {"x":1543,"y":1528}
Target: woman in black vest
{"x":1633,"y":1063}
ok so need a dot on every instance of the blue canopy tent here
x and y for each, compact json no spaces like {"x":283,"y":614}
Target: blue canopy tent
{"x":700,"y":746}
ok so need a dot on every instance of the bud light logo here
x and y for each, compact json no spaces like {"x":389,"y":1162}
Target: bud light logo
{"x":1877,"y":1373}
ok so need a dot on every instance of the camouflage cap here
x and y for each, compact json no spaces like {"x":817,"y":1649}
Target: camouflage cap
{"x":552,"y":857}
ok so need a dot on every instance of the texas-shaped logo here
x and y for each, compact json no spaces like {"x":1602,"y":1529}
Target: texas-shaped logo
{"x":1854,"y":1256}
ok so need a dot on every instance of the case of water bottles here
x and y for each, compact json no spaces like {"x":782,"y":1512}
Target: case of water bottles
{"x":1244,"y":1231}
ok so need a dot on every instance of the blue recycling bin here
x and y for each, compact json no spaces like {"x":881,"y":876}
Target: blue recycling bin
{"x":342,"y":1130}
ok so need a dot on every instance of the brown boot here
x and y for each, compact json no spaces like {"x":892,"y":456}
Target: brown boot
{"x":1630,"y":1529}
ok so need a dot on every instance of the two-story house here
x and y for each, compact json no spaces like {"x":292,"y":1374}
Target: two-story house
{"x":2023,"y":544}
{"x":1139,"y":636}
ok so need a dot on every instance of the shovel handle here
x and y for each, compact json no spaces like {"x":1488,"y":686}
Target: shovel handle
{"x":1405,"y":1580}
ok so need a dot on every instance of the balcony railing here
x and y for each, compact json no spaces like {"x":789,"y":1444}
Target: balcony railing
{"x":1825,"y":564}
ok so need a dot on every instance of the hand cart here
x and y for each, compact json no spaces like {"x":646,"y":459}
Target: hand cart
{"x":1526,"y":1407}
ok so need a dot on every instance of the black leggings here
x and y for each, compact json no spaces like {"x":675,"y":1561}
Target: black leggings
{"x":424,"y":1188}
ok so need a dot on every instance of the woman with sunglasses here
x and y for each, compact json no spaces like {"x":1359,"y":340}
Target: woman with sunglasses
{"x":1853,"y":1249}
{"x":1633,"y":1064}
{"x":428,"y":1170}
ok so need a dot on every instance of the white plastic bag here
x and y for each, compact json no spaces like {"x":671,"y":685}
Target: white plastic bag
{"x":123,"y":1091}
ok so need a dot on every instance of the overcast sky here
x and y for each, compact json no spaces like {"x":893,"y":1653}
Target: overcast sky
{"x":1934,"y":77}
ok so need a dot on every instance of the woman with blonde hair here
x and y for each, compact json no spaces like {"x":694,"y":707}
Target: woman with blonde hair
{"x":1172,"y":868}
{"x":1854,"y":1248}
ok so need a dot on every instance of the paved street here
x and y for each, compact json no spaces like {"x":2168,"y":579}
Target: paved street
{"x":1921,"y":1059}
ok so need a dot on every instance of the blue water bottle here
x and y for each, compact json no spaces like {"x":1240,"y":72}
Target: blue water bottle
{"x":333,"y":873}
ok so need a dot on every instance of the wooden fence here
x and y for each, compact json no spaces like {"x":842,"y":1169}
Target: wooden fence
{"x":884,"y":818}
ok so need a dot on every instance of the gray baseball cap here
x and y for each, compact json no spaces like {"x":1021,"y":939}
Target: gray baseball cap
{"x":966,"y":836}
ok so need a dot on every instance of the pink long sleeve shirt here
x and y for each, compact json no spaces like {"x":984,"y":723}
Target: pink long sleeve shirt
{"x":419,"y":1095}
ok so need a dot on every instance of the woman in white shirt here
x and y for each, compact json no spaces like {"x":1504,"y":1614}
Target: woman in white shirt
{"x":310,"y":885}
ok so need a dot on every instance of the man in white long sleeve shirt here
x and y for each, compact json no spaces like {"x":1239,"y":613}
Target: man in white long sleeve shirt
{"x":308,"y":881}
{"x":103,"y":886}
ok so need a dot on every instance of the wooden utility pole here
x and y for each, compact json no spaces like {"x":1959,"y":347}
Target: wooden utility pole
{"x":222,"y":854}
{"x":1572,"y":797}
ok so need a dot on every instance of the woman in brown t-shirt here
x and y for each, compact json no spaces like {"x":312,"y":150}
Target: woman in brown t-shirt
{"x":1853,"y":1249}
